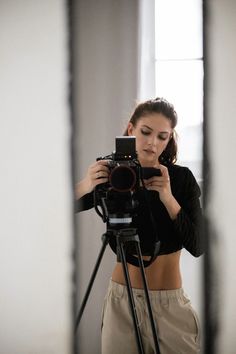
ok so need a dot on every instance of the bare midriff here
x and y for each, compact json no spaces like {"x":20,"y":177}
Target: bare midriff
{"x":162,"y":274}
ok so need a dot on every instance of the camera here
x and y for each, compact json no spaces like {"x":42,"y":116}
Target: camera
{"x":117,"y":196}
{"x":124,"y":169}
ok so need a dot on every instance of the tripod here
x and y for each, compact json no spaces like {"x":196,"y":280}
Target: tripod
{"x":123,"y":236}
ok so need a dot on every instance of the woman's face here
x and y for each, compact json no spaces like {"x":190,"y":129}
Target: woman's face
{"x":153,"y":133}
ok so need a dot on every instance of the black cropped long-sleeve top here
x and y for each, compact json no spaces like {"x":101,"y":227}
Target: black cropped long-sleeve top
{"x":183,"y":232}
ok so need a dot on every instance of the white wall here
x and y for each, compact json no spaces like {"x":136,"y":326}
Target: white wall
{"x":106,"y":40}
{"x":221,"y":111}
{"x":35,"y":189}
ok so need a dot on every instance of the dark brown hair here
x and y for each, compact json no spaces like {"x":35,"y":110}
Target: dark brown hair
{"x":159,"y":105}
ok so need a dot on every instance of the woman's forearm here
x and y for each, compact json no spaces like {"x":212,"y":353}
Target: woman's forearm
{"x":80,"y":189}
{"x":172,"y":207}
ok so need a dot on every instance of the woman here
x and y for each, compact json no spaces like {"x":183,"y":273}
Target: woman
{"x":174,"y":201}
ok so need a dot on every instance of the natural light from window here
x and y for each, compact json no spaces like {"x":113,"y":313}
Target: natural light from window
{"x":179,"y":72}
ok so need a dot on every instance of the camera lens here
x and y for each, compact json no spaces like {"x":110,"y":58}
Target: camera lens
{"x":122,"y":178}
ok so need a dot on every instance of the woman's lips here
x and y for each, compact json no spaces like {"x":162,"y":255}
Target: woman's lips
{"x":149,"y":151}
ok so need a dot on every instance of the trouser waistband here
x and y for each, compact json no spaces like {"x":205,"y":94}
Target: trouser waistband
{"x":155,"y":294}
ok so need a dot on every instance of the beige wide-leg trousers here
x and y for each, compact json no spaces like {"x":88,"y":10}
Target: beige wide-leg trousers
{"x":176,"y":322}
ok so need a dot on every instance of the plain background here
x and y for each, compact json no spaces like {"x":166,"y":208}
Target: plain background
{"x":35,"y":192}
{"x":36,"y":188}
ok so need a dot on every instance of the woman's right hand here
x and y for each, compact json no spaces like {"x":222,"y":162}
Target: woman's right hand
{"x":97,"y":174}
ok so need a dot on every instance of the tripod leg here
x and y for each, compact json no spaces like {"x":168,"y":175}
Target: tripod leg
{"x":105,"y":240}
{"x":147,"y":297}
{"x":131,"y":297}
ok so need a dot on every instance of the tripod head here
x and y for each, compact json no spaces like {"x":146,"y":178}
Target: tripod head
{"x":118,"y":211}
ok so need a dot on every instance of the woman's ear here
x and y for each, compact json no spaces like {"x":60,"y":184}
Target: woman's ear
{"x":130,"y":129}
{"x":171,"y":136}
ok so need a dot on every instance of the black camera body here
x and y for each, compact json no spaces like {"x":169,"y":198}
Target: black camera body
{"x":124,"y":168}
{"x":117,"y":196}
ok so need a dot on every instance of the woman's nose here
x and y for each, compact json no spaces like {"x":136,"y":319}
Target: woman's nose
{"x":152,"y":141}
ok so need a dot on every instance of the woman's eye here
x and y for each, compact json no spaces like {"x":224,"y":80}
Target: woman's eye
{"x":162,"y":137}
{"x":144,"y":132}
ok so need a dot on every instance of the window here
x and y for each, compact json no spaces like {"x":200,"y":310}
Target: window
{"x":179,"y":72}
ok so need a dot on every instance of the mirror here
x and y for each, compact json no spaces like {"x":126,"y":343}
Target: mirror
{"x":116,"y":65}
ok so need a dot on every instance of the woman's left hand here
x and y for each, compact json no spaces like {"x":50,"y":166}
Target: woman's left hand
{"x":160,"y":184}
